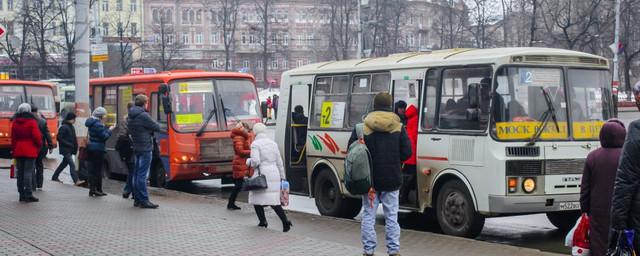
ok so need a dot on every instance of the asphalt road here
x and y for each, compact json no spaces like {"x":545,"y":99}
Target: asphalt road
{"x":532,"y":231}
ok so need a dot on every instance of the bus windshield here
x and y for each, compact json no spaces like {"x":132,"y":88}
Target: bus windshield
{"x":519,"y":103}
{"x":11,"y":96}
{"x":42,"y":97}
{"x":193,"y":102}
{"x":240,"y":101}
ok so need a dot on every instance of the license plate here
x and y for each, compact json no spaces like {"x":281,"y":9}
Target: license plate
{"x":565,"y":206}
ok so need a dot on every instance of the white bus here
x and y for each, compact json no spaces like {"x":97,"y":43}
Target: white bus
{"x":501,"y":131}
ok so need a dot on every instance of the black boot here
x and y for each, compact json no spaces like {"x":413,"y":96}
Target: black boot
{"x":260,"y":212}
{"x":286,"y":224}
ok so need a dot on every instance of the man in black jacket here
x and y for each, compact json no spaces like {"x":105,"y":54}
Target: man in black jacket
{"x":389,"y":145}
{"x":625,"y":207}
{"x":47,"y":145}
{"x":68,"y":147}
{"x":141,"y":128}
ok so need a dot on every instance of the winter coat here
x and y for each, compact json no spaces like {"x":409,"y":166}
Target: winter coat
{"x":26,"y":139}
{"x":597,"y":184}
{"x":389,"y":146}
{"x":67,"y":139}
{"x":301,"y":132}
{"x":625,"y":207}
{"x":265,"y":159}
{"x":412,"y":132}
{"x":269,"y":103}
{"x":98,"y":134}
{"x":242,"y":148}
{"x":141,"y":128}
{"x":47,"y":142}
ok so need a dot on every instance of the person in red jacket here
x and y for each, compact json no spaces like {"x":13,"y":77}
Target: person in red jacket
{"x":409,"y":170}
{"x":242,"y":138}
{"x":26,"y":141}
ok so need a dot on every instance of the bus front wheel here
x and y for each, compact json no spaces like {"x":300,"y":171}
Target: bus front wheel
{"x":563,"y":220}
{"x":158,"y":176}
{"x":329,"y":199}
{"x":455,"y":211}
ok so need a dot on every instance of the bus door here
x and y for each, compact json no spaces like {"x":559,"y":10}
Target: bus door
{"x":296,"y":137}
{"x":115,"y":100}
{"x":162,"y":137}
{"x":408,"y":91}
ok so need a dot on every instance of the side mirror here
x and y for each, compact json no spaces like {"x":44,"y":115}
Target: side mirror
{"x":164,"y":89}
{"x":474,"y":95}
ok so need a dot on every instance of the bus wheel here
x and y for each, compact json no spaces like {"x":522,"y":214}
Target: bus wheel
{"x":455,"y":211}
{"x":330,"y":201}
{"x":563,"y":220}
{"x":158,"y":177}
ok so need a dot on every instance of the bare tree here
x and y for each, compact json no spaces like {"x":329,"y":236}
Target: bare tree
{"x":43,"y":16}
{"x":67,"y":43}
{"x":166,"y":47}
{"x":451,"y":24}
{"x":263,"y":9}
{"x":342,"y":31}
{"x":483,"y":15}
{"x":18,"y":47}
{"x":630,"y":38}
{"x":127,"y":36}
{"x":225,"y":14}
{"x":574,"y":23}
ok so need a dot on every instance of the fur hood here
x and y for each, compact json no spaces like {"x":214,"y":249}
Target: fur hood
{"x":382,"y":121}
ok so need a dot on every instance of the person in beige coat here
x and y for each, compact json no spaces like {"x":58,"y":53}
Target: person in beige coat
{"x":266,"y":160}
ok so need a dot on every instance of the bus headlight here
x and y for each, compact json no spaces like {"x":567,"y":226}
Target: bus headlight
{"x":529,"y":185}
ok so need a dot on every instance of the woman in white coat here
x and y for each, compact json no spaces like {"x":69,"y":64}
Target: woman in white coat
{"x":265,"y":159}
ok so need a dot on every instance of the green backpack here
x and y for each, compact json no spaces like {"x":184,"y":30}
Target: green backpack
{"x":357,"y":166}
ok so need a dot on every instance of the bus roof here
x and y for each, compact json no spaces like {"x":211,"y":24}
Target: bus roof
{"x":24,"y":82}
{"x":454,"y":57}
{"x":165,"y":77}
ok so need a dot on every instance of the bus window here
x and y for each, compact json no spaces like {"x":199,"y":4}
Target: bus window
{"x":240,"y":101}
{"x":430,"y":98}
{"x":193,"y":102}
{"x":97,"y":97}
{"x":10,"y":98}
{"x":157,"y":111}
{"x":455,"y":98}
{"x":363,"y":89}
{"x":124,"y":97}
{"x":111,"y":105}
{"x":330,"y":101}
{"x":42,"y":97}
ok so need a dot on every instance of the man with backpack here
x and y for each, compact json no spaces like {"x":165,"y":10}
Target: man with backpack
{"x":141,"y":128}
{"x":388,"y":146}
{"x":124,"y":146}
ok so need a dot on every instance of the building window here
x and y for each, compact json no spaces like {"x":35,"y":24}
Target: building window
{"x":185,"y":16}
{"x":105,"y":29}
{"x":259,"y":64}
{"x":119,"y":5}
{"x":300,"y":63}
{"x":215,"y":64}
{"x":168,"y":16}
{"x":155,"y":16}
{"x":199,"y":17}
{"x":134,"y":29}
{"x":133,"y":6}
{"x":215,"y":38}
{"x":310,"y":39}
{"x":105,"y":5}
{"x":185,"y":38}
{"x":156,"y":38}
{"x":285,"y":40}
{"x":244,"y":38}
{"x":300,"y":39}
{"x":199,"y":38}
{"x":285,"y":64}
{"x":230,"y":64}
{"x":252,"y":38}
{"x":171,"y":38}
{"x":274,"y":39}
{"x":120,"y":29}
{"x":274,"y":64}
{"x":245,"y":63}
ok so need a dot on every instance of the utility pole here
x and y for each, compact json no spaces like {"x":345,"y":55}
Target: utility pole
{"x":615,"y":48}
{"x":359,"y":53}
{"x":81,"y":52}
{"x":98,"y":36}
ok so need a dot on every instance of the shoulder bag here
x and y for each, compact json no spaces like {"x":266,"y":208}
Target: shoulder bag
{"x":259,"y":182}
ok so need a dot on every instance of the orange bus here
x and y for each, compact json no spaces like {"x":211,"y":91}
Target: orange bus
{"x":15,"y":92}
{"x":196,"y":111}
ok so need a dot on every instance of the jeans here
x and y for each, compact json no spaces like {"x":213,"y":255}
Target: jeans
{"x":131,"y":168}
{"x":143,"y":164}
{"x":390,"y":205}
{"x":38,"y":179}
{"x":67,"y":159}
{"x":96,"y":160}
{"x":25,"y":172}
{"x":236,"y":190}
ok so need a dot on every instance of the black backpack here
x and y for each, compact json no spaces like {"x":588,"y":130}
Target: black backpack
{"x":124,"y":146}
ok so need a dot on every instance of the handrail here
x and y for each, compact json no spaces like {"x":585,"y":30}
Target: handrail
{"x":301,"y":154}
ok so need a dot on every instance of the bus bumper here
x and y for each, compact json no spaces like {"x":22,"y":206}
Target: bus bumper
{"x":533,"y":204}
{"x":199,"y":171}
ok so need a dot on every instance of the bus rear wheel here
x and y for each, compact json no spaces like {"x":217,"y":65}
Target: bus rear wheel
{"x":455,"y":211}
{"x":564,"y":221}
{"x":158,"y":176}
{"x":329,"y":199}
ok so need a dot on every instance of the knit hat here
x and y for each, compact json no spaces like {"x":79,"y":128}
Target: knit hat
{"x":24,"y":108}
{"x":382,"y":101}
{"x":69,"y":117}
{"x":99,"y":112}
{"x":259,"y":128}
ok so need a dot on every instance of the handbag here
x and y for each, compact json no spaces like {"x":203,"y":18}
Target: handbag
{"x":82,"y":151}
{"x":623,"y":244}
{"x":258,"y":182}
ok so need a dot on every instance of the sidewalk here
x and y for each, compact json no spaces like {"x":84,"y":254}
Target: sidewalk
{"x":67,"y":222}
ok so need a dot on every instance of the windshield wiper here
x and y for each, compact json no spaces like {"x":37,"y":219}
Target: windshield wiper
{"x":204,"y":125}
{"x":550,"y":113}
{"x":227,"y":110}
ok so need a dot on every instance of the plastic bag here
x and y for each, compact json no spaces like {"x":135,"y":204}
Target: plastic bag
{"x":568,"y":240}
{"x":581,"y":244}
{"x":623,"y":244}
{"x":284,"y":193}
